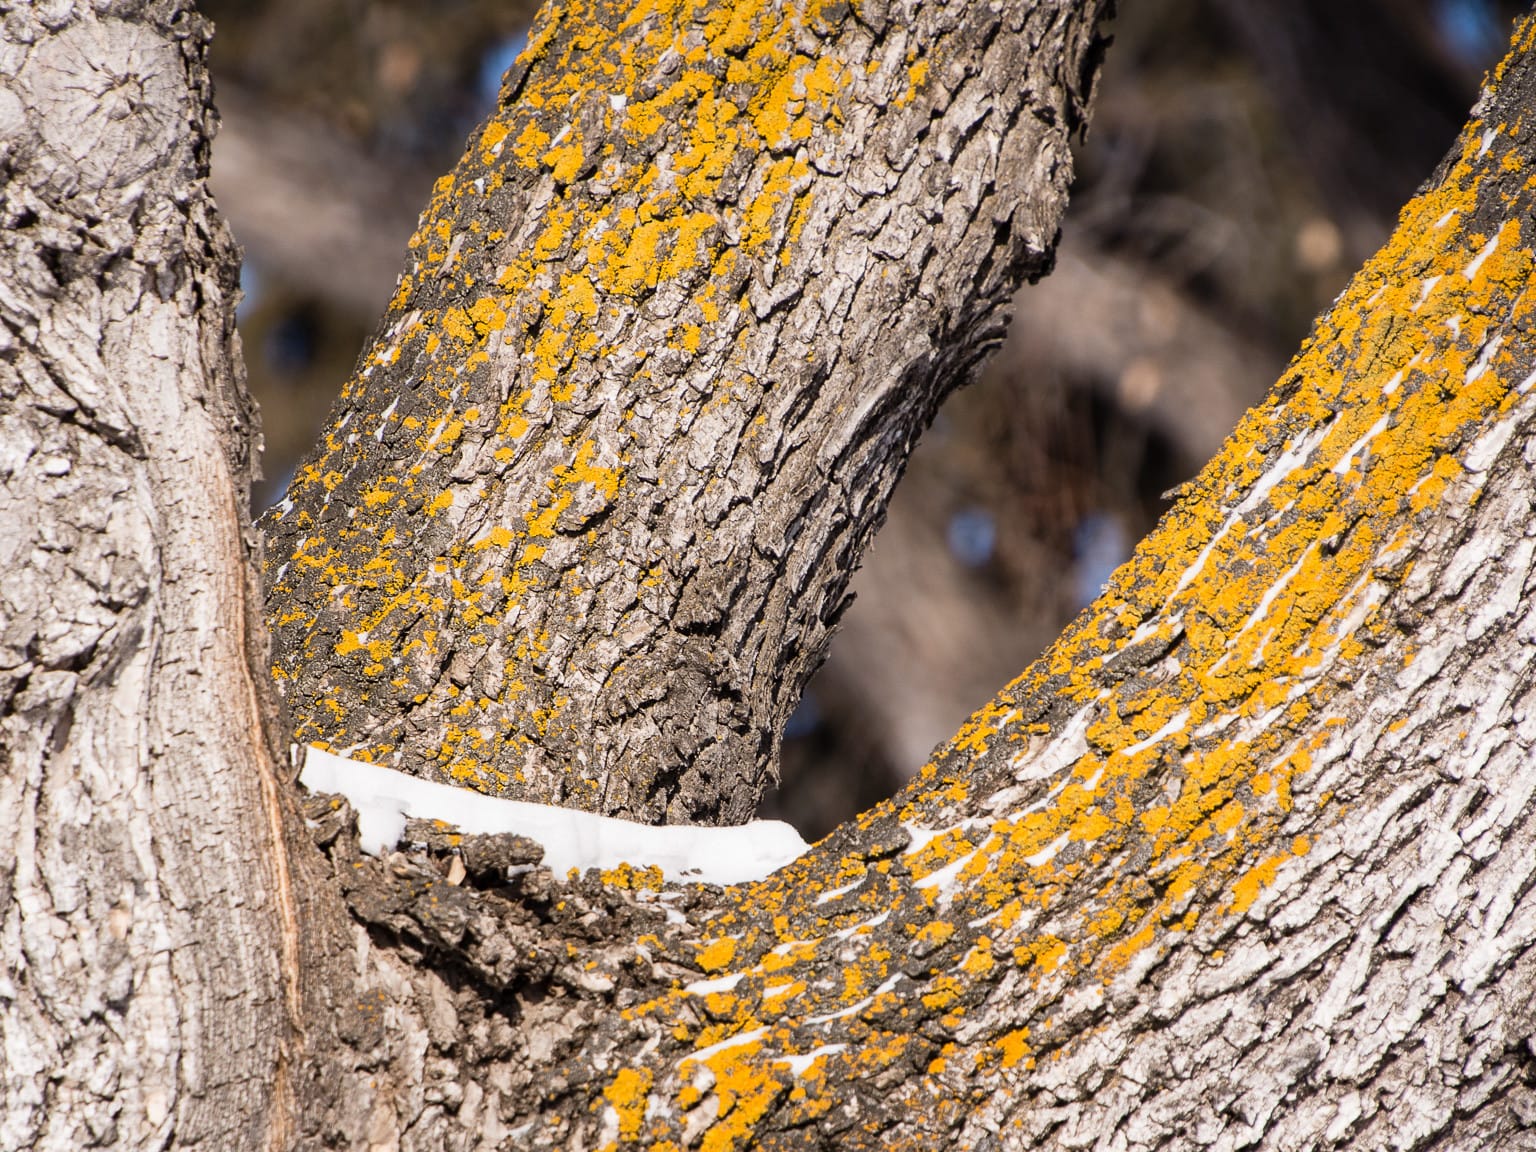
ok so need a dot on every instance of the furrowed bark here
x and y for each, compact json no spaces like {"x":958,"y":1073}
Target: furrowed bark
{"x":146,"y":917}
{"x":1245,"y":860}
{"x":583,"y":521}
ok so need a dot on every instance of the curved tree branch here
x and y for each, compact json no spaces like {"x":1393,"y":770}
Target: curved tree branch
{"x":1244,"y":860}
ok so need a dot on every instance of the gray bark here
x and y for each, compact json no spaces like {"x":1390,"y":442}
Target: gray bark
{"x":583,"y":522}
{"x":145,"y":917}
{"x":1246,"y":860}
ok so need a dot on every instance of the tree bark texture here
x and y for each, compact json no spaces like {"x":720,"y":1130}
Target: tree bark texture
{"x":583,"y":521}
{"x":145,"y":916}
{"x":1245,"y":860}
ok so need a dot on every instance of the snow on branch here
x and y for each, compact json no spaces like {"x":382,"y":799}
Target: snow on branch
{"x":384,"y":798}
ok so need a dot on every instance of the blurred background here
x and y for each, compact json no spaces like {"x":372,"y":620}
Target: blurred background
{"x":1245,"y":156}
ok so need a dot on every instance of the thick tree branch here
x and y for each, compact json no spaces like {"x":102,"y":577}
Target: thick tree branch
{"x":583,"y":522}
{"x":1244,"y":860}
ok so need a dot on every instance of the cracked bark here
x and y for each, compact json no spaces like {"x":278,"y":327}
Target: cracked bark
{"x":143,"y":914}
{"x":1245,"y":860}
{"x":582,"y":524}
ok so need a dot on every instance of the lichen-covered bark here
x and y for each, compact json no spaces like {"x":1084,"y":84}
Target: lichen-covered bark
{"x":1246,"y":860}
{"x":583,"y":521}
{"x":146,"y":923}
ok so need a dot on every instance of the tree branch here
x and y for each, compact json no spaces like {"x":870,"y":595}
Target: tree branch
{"x":139,"y":797}
{"x":1244,"y":860}
{"x":583,"y":522}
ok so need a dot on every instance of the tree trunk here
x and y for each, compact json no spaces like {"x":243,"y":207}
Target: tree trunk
{"x":1245,"y":860}
{"x":146,"y":911}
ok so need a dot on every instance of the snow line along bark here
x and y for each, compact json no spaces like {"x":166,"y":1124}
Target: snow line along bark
{"x":1246,"y":860}
{"x":572,"y":840}
{"x":583,"y":520}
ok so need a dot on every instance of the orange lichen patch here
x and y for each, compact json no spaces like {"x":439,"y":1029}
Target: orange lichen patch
{"x":747,"y":1087}
{"x":1260,"y":582}
{"x":717,"y":954}
{"x":627,"y":1095}
{"x":634,"y":879}
{"x":1263,"y":586}
{"x":1013,"y":1047}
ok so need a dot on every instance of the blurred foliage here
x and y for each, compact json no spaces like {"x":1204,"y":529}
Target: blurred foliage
{"x":1244,"y":157}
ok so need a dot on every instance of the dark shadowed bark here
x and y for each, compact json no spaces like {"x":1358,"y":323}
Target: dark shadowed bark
{"x":1245,"y":860}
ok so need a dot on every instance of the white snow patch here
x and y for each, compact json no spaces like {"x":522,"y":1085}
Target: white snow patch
{"x":944,"y":878}
{"x":1470,"y":272}
{"x":1175,"y":724}
{"x":1291,"y":459}
{"x":378,"y":433}
{"x":718,"y":984}
{"x":1486,"y":143}
{"x":854,"y":1009}
{"x":617,"y":101}
{"x":1070,"y":746}
{"x":921,"y":837}
{"x":1480,"y":365}
{"x":1043,"y":857}
{"x":789,"y":946}
{"x":801,"y":1063}
{"x":1397,"y":377}
{"x":1447,"y":218}
{"x":1425,"y":288}
{"x":851,"y":1010}
{"x":384,"y":798}
{"x":842,"y":890}
{"x":729,"y":1042}
{"x":1486,"y":448}
{"x":1342,"y":465}
{"x":855,"y":929}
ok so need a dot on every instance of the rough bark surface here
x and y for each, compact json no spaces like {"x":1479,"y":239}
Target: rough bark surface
{"x":144,"y":920}
{"x":583,"y":521}
{"x":1245,"y":861}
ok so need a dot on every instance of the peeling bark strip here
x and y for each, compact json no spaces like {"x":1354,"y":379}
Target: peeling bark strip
{"x":584,"y":518}
{"x":150,"y":950}
{"x":1246,"y":860}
